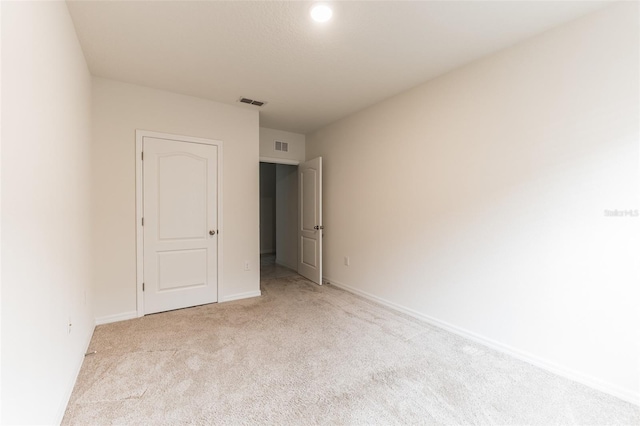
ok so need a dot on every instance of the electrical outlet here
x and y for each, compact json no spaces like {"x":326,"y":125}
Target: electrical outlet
{"x":347,"y":261}
{"x":246,"y":265}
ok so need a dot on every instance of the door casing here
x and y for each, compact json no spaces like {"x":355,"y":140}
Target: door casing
{"x":140,"y":135}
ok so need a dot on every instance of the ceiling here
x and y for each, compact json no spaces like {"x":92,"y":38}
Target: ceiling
{"x":309,"y":74}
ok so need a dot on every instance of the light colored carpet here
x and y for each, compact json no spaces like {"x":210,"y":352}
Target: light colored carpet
{"x":270,"y":269}
{"x":302,"y":355}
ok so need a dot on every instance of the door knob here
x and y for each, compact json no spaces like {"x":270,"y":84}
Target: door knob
{"x":318,"y":227}
{"x":212,"y":232}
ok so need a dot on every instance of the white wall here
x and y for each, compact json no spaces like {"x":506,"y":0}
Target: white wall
{"x":118,"y":110}
{"x":477,"y":200}
{"x":287,"y":215}
{"x":267,"y":144}
{"x":0,"y":216}
{"x":46,"y":185}
{"x":267,"y":208}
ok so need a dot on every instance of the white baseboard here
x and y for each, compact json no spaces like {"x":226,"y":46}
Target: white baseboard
{"x":268,"y":251}
{"x":116,"y":317}
{"x":72,"y":382}
{"x":238,"y":296}
{"x":587,"y":380}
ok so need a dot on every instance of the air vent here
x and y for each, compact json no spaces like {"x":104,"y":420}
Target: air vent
{"x":251,"y":102}
{"x":282,"y":146}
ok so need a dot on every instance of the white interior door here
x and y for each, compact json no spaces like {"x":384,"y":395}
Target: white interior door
{"x":310,"y":224}
{"x":180,"y":224}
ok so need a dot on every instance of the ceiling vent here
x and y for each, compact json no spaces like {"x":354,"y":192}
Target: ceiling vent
{"x":251,"y":102}
{"x":282,"y":146}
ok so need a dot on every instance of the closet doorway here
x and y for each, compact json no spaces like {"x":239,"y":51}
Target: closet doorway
{"x":278,"y":220}
{"x":291,"y":229}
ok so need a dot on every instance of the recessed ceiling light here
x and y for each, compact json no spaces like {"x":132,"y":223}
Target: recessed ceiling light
{"x":321,"y":12}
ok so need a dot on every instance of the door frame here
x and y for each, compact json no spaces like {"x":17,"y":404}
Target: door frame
{"x":275,"y":160}
{"x":297,"y":163}
{"x":140,"y":134}
{"x":286,"y":162}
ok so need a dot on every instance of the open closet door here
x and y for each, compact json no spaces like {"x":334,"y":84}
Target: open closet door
{"x":310,"y":223}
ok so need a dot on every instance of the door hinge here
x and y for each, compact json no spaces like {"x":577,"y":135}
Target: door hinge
{"x":142,"y":156}
{"x":143,"y":221}
{"x":142,"y":286}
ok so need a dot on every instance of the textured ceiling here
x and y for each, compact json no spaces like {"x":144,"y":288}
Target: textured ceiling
{"x":310,"y":74}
